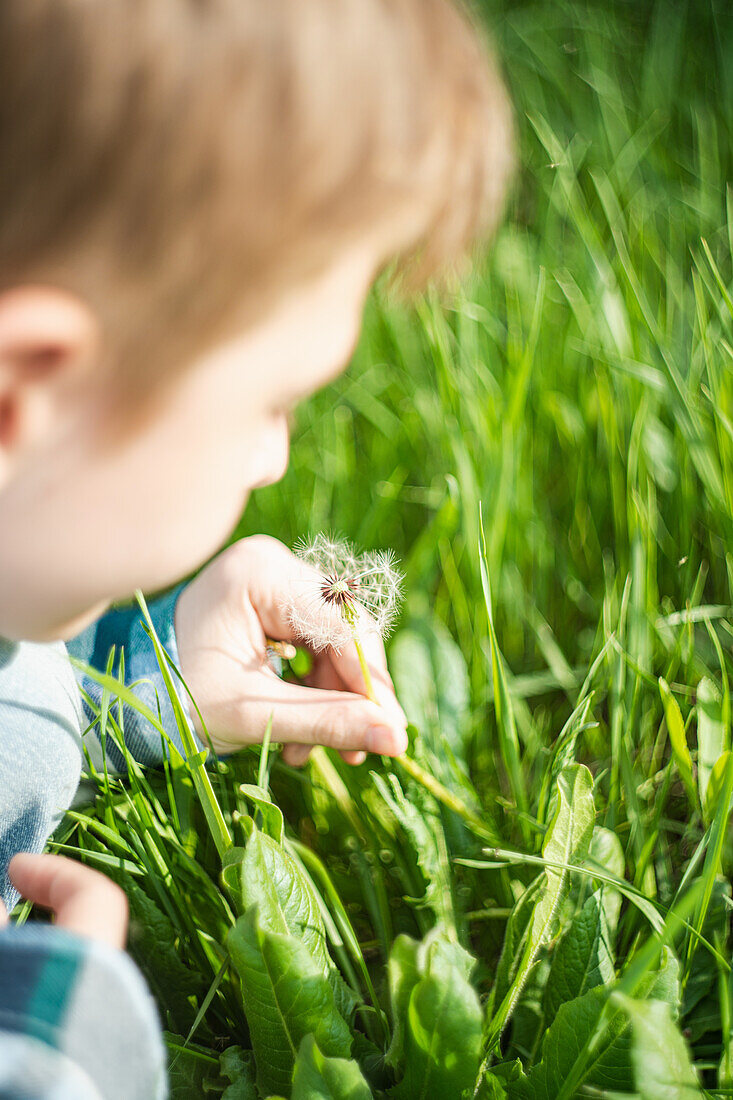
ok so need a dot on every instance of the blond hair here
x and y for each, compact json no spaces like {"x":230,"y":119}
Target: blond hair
{"x":182,"y":162}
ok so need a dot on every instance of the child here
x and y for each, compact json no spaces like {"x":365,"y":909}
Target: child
{"x":195,"y":198}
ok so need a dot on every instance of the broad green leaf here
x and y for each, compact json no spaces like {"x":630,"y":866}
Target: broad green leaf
{"x":564,"y":749}
{"x":574,"y":1023}
{"x":431,"y":679}
{"x":442,"y":1036}
{"x":664,"y":983}
{"x":703,"y":972}
{"x":286,"y":996}
{"x":567,"y":841}
{"x":583,"y":958}
{"x":589,"y":1041}
{"x":192,"y":1071}
{"x":491,"y":1088}
{"x":403,"y":973}
{"x":659,"y":1055}
{"x":237,"y":1066}
{"x":273,"y":880}
{"x":678,"y":739}
{"x":317,"y":1077}
{"x":231,"y":872}
{"x":710,"y":734}
{"x":528,"y":1018}
{"x":494,"y":1083}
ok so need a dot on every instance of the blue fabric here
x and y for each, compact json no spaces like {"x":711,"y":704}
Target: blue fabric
{"x":40,"y":748}
{"x":76,"y":1020}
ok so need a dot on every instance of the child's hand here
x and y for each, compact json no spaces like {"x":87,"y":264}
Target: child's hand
{"x":222,"y":621}
{"x":83,"y":901}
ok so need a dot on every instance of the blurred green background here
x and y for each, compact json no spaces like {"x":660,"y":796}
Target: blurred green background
{"x":579,"y":385}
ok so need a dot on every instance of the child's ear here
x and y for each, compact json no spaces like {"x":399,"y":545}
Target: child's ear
{"x":47,"y":339}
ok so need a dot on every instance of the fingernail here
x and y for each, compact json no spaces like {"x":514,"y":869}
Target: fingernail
{"x":384,"y":739}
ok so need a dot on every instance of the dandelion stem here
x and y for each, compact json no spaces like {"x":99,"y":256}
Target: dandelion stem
{"x":368,"y":683}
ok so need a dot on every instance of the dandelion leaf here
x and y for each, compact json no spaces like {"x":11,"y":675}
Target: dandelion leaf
{"x":286,"y":997}
{"x":606,"y":850}
{"x":403,"y":974}
{"x":515,"y":937}
{"x":272,"y":816}
{"x":678,"y":739}
{"x":659,"y":1055}
{"x":442,"y":1025}
{"x":583,"y":1047}
{"x":237,"y":1066}
{"x":567,"y":842}
{"x":583,"y":958}
{"x":710,"y":737}
{"x":317,"y":1077}
{"x":191,"y":1071}
{"x":703,"y":975}
{"x":152,"y":943}
{"x":426,"y":835}
{"x":273,"y":880}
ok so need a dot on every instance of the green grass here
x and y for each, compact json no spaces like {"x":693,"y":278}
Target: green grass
{"x":579,"y":387}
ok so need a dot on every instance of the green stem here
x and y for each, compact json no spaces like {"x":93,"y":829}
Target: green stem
{"x":368,"y":682}
{"x":195,"y":758}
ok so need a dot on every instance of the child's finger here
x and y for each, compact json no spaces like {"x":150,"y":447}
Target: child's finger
{"x":3,"y":915}
{"x":314,"y":716}
{"x":84,"y":901}
{"x":296,"y":755}
{"x":354,"y":758}
{"x":342,"y":672}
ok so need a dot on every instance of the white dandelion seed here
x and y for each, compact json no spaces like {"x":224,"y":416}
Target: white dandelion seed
{"x":343,"y":594}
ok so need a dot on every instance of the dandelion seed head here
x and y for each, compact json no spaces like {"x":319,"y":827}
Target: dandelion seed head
{"x":342,"y":593}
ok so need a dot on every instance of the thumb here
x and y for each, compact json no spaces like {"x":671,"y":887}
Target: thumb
{"x":84,"y":901}
{"x":3,"y":915}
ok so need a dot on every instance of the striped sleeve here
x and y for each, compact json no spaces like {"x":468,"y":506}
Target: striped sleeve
{"x":76,"y":1021}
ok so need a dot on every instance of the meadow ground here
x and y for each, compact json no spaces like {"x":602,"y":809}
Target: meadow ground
{"x":569,"y":681}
